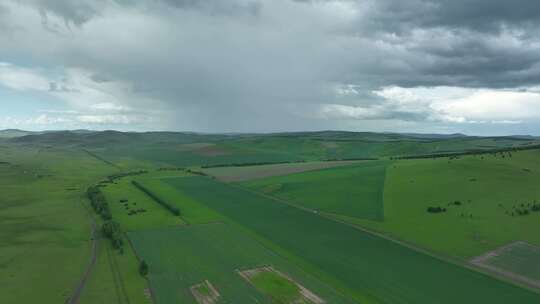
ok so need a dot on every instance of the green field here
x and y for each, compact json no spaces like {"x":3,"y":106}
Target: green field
{"x":488,"y":188}
{"x":154,"y":215}
{"x":309,"y":218}
{"x":191,"y":211}
{"x":182,"y":257}
{"x":45,"y":225}
{"x":363,"y":263}
{"x":44,"y":228}
{"x":279,"y":289}
{"x":355,"y":190}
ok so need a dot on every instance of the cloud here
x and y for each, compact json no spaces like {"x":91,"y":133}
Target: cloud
{"x":18,"y":78}
{"x":443,"y":104}
{"x":242,"y":65}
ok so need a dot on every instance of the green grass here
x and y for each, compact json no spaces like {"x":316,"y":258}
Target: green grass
{"x":487,"y":187}
{"x":204,"y":290}
{"x":355,"y":190}
{"x":364,"y":264}
{"x":191,"y":211}
{"x":182,"y":257}
{"x":44,"y":228}
{"x":277,"y":287}
{"x":521,"y":258}
{"x":155,"y":216}
{"x":115,"y":279}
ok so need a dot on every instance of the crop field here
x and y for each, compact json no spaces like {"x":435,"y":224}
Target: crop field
{"x":518,"y":260}
{"x":355,"y":190}
{"x":191,"y":211}
{"x":317,"y":217}
{"x":183,"y":257}
{"x":244,"y":173}
{"x":363,"y":263}
{"x":218,"y":155}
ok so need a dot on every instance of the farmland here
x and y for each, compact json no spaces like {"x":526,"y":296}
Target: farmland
{"x":243,"y":173}
{"x":390,"y":273}
{"x":183,"y":257}
{"x":518,"y":260}
{"x":322,"y":217}
{"x":355,"y":191}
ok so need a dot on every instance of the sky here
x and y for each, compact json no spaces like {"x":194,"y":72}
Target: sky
{"x":427,"y":66}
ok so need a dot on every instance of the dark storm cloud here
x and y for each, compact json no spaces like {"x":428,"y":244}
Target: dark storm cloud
{"x":233,"y":7}
{"x":73,"y":12}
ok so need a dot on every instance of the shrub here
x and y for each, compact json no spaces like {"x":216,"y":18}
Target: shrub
{"x":143,"y":268}
{"x":436,"y":209}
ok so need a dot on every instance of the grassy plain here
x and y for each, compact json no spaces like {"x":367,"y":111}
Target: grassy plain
{"x":115,"y":278}
{"x":44,"y":228}
{"x":488,"y":189}
{"x":182,"y":257}
{"x":155,"y":216}
{"x":364,"y":264}
{"x":355,"y":190}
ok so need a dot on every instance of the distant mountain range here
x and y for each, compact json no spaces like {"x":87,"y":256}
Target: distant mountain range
{"x":98,"y":138}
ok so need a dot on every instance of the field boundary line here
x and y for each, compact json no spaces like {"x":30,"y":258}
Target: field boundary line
{"x":101,"y":159}
{"x":483,"y":262}
{"x":113,"y":274}
{"x":411,"y":246}
{"x":152,"y":293}
{"x":76,"y":294}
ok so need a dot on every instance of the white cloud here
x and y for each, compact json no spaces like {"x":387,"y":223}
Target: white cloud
{"x":22,"y":79}
{"x":442,"y":104}
{"x":111,"y":119}
{"x":108,"y":106}
{"x":495,"y":105}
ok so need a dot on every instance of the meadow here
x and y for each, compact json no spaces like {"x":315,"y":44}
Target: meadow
{"x":365,"y":264}
{"x":44,"y":227}
{"x":127,"y":204}
{"x":489,"y":190}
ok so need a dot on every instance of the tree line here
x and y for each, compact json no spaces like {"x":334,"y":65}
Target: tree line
{"x":110,"y":228}
{"x":469,"y":152}
{"x":174,"y":210}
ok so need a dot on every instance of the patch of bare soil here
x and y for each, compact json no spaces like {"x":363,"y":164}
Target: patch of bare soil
{"x":330,"y":144}
{"x":211,"y":151}
{"x":262,"y":171}
{"x":307,"y":295}
{"x":205,"y":293}
{"x":483,"y":262}
{"x":193,"y":146}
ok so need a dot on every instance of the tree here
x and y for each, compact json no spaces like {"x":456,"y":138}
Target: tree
{"x":143,"y":268}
